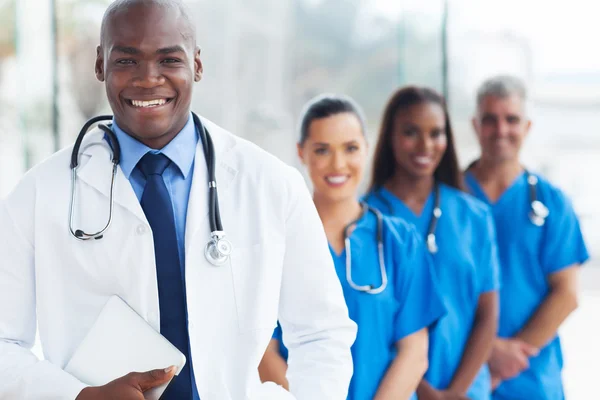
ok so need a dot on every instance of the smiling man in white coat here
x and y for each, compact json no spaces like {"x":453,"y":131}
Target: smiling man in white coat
{"x":153,"y":254}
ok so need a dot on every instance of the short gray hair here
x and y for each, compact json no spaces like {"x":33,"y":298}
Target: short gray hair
{"x":502,"y":86}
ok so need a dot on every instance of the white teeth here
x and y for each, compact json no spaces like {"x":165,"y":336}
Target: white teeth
{"x":149,"y":103}
{"x":423,"y":160}
{"x":336,"y":180}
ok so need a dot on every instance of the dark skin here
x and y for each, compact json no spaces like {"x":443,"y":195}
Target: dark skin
{"x":148,"y":52}
{"x":129,"y":387}
{"x":420,"y":133}
{"x":273,"y":367}
{"x":477,"y":351}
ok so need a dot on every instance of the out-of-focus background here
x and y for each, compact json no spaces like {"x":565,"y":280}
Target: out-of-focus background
{"x":263,"y":59}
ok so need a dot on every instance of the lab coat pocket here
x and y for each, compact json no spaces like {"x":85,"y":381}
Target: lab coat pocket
{"x":257,"y":280}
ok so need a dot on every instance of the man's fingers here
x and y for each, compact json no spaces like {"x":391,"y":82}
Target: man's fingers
{"x":529,"y":350}
{"x":148,"y":380}
{"x":495,"y":382}
{"x":522,"y":363}
{"x":514,"y":366}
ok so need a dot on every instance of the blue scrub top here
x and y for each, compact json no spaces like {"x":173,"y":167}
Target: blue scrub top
{"x":528,"y":255}
{"x":466,"y":265}
{"x":408,"y":304}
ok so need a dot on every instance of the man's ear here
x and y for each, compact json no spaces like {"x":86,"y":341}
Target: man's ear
{"x":528,"y":127}
{"x":198,"y":69}
{"x":99,"y":64}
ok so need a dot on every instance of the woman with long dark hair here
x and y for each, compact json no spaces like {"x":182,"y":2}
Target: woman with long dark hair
{"x":416,"y":177}
{"x":381,"y":263}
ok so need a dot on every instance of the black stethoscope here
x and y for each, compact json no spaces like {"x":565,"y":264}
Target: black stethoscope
{"x":370,"y":289}
{"x":538,"y":212}
{"x":436,"y":213}
{"x":217,"y":250}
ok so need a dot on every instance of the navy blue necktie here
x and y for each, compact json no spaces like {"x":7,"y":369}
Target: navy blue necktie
{"x":156,"y":203}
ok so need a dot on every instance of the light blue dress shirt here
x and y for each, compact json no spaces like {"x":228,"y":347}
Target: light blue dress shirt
{"x":178,"y":175}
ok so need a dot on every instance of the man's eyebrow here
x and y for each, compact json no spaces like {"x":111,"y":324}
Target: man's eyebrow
{"x":134,"y":51}
{"x":170,"y":49}
{"x":126,"y":50}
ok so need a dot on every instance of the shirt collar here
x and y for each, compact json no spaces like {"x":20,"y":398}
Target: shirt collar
{"x":181,"y":150}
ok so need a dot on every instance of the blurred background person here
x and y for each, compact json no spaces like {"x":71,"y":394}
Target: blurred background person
{"x":540,"y":244}
{"x":416,"y":177}
{"x":381,"y":263}
{"x":267,"y":58}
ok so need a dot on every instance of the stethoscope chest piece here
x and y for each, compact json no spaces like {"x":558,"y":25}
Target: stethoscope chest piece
{"x":431,"y":243}
{"x":435,"y":216}
{"x":539,"y":212}
{"x":531,"y":179}
{"x":218,"y":250}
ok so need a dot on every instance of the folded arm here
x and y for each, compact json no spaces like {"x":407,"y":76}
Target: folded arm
{"x":479,"y":345}
{"x":560,"y":302}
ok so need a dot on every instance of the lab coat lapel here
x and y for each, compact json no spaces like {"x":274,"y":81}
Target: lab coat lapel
{"x":95,"y":168}
{"x":210,"y":289}
{"x":198,"y":212}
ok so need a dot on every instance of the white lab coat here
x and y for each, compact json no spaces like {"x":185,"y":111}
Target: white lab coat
{"x":280,"y":268}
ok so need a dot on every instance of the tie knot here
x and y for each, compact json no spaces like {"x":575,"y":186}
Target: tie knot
{"x":153,"y":164}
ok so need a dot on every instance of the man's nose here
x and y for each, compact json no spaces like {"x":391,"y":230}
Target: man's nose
{"x":148,"y":76}
{"x":502,"y":128}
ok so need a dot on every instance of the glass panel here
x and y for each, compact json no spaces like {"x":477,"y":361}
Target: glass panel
{"x":35,"y":68}
{"x":11,"y":154}
{"x":81,"y":95}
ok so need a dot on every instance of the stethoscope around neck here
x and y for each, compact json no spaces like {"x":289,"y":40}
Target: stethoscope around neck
{"x":436,"y":214}
{"x":370,"y":289}
{"x":538,"y":212}
{"x":431,"y":243}
{"x":216,"y":251}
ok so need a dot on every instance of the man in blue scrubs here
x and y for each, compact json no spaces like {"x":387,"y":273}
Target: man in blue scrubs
{"x":539,"y":257}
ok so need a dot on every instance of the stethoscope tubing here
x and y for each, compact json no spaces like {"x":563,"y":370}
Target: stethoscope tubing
{"x":370,"y":289}
{"x":216,"y":225}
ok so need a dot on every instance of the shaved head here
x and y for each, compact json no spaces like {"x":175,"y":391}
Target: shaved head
{"x":148,"y":53}
{"x":119,"y":7}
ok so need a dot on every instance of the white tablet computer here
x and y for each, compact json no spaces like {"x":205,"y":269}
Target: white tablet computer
{"x":121,"y":342}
